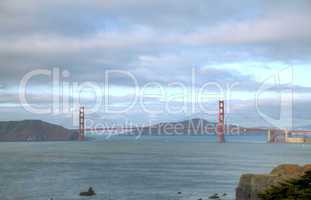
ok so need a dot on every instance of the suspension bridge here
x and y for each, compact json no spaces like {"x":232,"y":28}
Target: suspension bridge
{"x":273,"y":135}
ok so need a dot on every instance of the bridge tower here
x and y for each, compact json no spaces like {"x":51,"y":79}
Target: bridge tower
{"x":81,"y":124}
{"x":221,"y":123}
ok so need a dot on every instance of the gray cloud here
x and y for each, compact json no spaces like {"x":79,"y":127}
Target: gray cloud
{"x":154,"y":40}
{"x":42,"y":34}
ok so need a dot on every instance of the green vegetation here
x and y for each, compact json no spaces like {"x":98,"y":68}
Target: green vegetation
{"x":293,"y":189}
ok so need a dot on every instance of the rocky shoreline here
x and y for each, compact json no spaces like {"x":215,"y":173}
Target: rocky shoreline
{"x":250,"y":185}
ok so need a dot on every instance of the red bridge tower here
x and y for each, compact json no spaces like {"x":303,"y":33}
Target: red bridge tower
{"x":221,"y":123}
{"x":81,"y":124}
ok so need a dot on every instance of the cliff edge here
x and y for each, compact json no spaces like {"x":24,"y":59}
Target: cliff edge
{"x":251,"y":185}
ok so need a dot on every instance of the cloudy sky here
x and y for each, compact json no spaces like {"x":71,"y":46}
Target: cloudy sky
{"x":181,"y":54}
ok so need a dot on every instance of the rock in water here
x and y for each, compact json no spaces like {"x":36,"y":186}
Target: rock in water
{"x":90,"y":192}
{"x":214,"y":196}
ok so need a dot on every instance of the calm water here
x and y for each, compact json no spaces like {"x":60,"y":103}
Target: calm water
{"x":127,"y":169}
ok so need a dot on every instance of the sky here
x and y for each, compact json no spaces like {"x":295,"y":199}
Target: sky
{"x":168,"y":60}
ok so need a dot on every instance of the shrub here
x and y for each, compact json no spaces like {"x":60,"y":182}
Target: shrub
{"x":293,"y":189}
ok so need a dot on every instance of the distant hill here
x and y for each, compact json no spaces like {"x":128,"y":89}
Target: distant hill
{"x":187,"y":127}
{"x":191,"y":127}
{"x":35,"y":130}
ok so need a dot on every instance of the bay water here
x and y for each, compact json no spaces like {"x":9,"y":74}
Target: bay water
{"x":148,"y":168}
